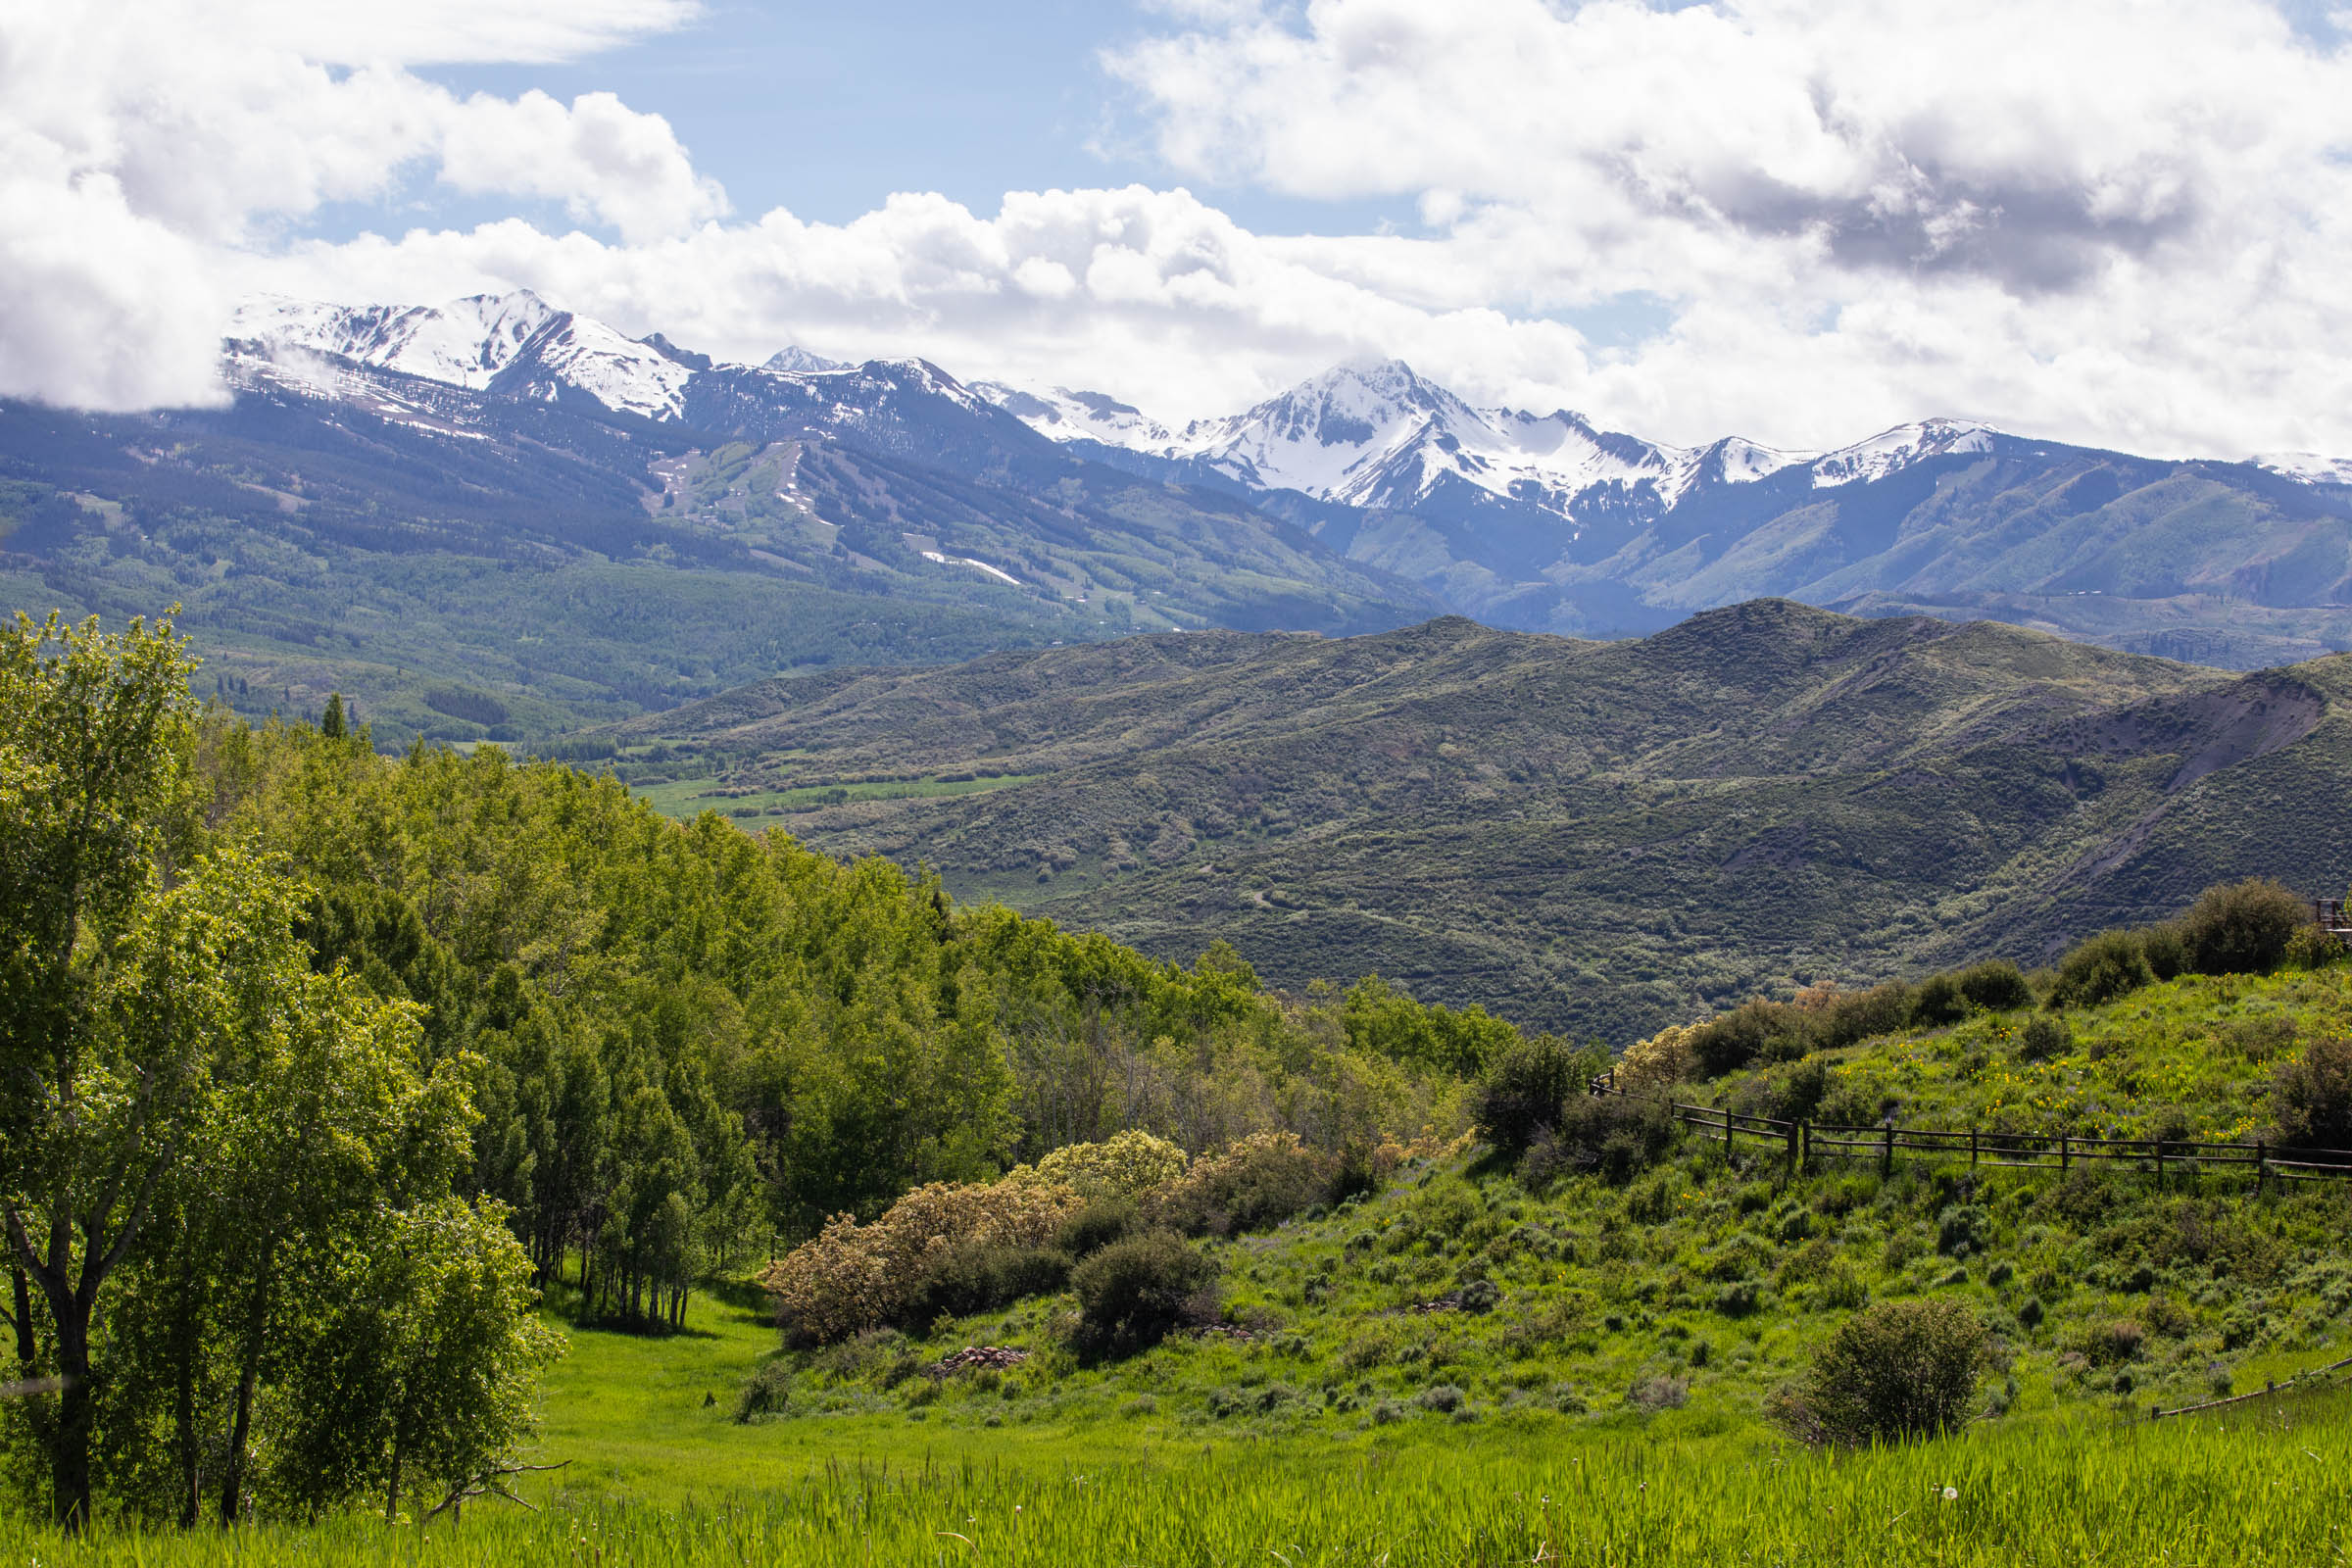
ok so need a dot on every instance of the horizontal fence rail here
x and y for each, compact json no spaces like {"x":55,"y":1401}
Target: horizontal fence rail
{"x":2314,"y":1380}
{"x":1801,"y":1142}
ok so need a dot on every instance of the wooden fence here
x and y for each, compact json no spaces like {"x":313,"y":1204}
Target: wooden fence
{"x":2312,"y":1382}
{"x":1801,"y":1143}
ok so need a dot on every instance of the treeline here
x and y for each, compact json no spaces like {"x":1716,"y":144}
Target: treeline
{"x":550,"y":1036}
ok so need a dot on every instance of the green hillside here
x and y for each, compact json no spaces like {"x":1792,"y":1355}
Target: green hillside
{"x":1595,"y":1286}
{"x":1597,"y":837}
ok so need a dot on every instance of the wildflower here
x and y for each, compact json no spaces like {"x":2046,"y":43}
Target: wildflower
{"x":1951,"y":1493}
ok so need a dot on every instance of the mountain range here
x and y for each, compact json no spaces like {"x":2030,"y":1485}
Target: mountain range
{"x":1531,"y":520}
{"x":529,"y":512}
{"x":1597,"y":837}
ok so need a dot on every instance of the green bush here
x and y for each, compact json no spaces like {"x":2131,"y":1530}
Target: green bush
{"x":2242,"y":927}
{"x":1897,"y":1371}
{"x":1261,"y":1181}
{"x":1097,"y":1225}
{"x":1996,"y":986}
{"x":982,"y":1277}
{"x":767,"y":1392}
{"x":1852,"y":1016}
{"x":1614,"y":1136}
{"x":2101,"y":968}
{"x":1730,"y":1040}
{"x":1937,"y":1002}
{"x":2311,"y":1096}
{"x":1133,"y":1292}
{"x":2044,"y":1037}
{"x":1526,"y":1084}
{"x":2167,"y":951}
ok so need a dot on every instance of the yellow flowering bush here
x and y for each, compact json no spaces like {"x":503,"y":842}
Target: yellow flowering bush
{"x":1126,"y":1165}
{"x":1662,"y":1060}
{"x":854,"y":1277}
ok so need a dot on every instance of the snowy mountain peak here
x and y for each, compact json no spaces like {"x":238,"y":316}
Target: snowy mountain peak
{"x":1899,"y":448}
{"x":465,"y":342}
{"x":797,"y":361}
{"x":515,"y":341}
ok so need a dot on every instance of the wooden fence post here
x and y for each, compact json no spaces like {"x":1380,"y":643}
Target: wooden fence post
{"x":2262,"y":1163}
{"x":1729,"y":1132}
{"x":2160,"y":1163}
{"x":2062,"y":1151}
{"x":1886,"y":1150}
{"x":1794,"y":1159}
{"x":1972,"y":1151}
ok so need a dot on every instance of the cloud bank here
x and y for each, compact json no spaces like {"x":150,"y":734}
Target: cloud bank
{"x":2116,"y":220}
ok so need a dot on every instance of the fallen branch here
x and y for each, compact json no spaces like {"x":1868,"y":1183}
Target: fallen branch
{"x":489,"y":1483}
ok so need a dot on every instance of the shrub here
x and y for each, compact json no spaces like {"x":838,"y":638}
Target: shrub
{"x":2167,"y":951}
{"x":1443,"y":1398}
{"x":1132,"y":1293}
{"x":1613,"y":1135}
{"x":1125,"y":1165}
{"x":980,"y":1277}
{"x":2044,"y":1037}
{"x":1937,"y":1002}
{"x":1851,"y":1017}
{"x":1096,"y":1226}
{"x":1898,"y":1371}
{"x":2242,"y":927}
{"x":2101,"y":968}
{"x":2311,"y":1096}
{"x":1730,"y":1040}
{"x":2312,"y":947}
{"x":1526,"y":1084}
{"x":1659,"y":1393}
{"x":767,"y":1392}
{"x":854,"y":1277}
{"x":1996,"y":986}
{"x":1656,"y":1064}
{"x":1260,"y":1181}
{"x":1961,"y":1229}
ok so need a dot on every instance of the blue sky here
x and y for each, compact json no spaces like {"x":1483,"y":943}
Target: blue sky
{"x":825,"y":110}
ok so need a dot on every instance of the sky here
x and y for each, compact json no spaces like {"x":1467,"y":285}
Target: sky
{"x":2117,"y":221}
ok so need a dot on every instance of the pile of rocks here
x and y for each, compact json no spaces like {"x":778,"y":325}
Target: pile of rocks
{"x":979,"y":1358}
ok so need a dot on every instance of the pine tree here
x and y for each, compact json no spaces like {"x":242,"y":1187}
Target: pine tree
{"x":330,"y":723}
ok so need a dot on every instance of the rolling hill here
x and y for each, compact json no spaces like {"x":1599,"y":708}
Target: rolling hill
{"x":1597,"y":837}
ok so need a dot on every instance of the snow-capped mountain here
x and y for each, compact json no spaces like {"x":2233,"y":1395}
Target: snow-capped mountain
{"x":794,"y":359}
{"x":1381,"y":436}
{"x":1892,"y":450}
{"x":519,"y":346}
{"x":516,"y":344}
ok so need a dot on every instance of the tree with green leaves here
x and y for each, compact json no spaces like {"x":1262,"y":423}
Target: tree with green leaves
{"x":112,"y":984}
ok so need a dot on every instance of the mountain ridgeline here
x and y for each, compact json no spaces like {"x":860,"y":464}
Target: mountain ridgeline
{"x":1590,"y":837}
{"x":522,"y":512}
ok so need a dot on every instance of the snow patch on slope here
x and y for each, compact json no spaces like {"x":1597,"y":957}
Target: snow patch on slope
{"x":1899,"y":448}
{"x":1066,"y":416}
{"x":2308,"y":466}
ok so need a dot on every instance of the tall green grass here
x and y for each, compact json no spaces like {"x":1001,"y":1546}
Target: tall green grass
{"x":2249,"y":1493}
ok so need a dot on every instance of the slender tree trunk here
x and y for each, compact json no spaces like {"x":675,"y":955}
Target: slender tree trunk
{"x":392,"y":1486}
{"x":69,"y":1452}
{"x":232,"y":1486}
{"x":186,"y":1337}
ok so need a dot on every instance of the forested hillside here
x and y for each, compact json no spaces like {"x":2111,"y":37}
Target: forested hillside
{"x":321,"y":1060}
{"x":1592,"y":837}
